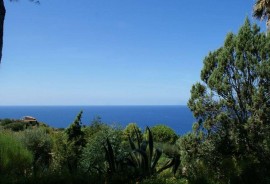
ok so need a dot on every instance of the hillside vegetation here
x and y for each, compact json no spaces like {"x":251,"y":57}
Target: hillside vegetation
{"x":229,"y":143}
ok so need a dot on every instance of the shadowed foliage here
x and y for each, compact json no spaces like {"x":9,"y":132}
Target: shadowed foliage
{"x":232,"y":106}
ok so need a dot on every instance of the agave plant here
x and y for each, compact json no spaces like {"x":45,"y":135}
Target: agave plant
{"x":110,"y":158}
{"x":144,"y":157}
{"x":116,"y":163}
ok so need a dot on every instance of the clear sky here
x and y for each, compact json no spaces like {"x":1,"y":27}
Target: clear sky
{"x":111,"y":52}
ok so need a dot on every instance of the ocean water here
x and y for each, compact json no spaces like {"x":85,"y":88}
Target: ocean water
{"x":179,"y":118}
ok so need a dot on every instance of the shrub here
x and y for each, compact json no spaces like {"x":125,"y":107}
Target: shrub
{"x":60,"y":152}
{"x":5,"y":121}
{"x":163,"y":133}
{"x":133,"y":131}
{"x":15,"y":126}
{"x":95,"y":126}
{"x":93,"y":157}
{"x":39,"y":142}
{"x":15,"y":159}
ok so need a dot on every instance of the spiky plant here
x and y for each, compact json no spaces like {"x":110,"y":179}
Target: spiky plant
{"x":144,"y":157}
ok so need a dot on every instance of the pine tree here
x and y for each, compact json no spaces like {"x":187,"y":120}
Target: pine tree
{"x":232,"y":103}
{"x":76,"y":142}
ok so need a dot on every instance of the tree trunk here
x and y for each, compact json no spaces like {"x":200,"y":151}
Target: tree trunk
{"x":2,"y":18}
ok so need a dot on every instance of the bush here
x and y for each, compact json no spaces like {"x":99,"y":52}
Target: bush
{"x":15,"y":159}
{"x":95,"y":126}
{"x":93,"y":157}
{"x":15,"y":126}
{"x":60,"y":152}
{"x":164,"y":134}
{"x":131,"y":130}
{"x":6,"y":121}
{"x":39,"y":142}
{"x":18,"y":125}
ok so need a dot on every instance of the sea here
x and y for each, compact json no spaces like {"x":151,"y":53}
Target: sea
{"x":179,"y":118}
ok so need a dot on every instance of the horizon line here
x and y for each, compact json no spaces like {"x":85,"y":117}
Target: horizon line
{"x":96,"y":105}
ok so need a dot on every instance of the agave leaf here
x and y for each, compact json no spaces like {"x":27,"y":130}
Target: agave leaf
{"x":143,"y":145}
{"x":107,"y":157}
{"x":132,"y":145}
{"x":169,"y":164}
{"x":134,"y":159}
{"x":151,"y":143}
{"x":157,"y":156}
{"x":138,"y":137}
{"x":144,"y":160}
{"x":106,"y":152}
{"x":111,"y":156}
{"x":131,"y":162}
{"x":176,"y":164}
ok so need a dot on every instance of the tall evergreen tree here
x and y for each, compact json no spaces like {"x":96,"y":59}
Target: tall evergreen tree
{"x":232,"y":103}
{"x":76,"y":142}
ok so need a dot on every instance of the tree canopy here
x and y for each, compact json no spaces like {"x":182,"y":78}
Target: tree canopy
{"x":232,"y":104}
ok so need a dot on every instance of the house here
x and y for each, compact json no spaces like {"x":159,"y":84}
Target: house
{"x":29,"y":119}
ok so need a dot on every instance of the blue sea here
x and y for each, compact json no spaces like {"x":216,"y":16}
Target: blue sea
{"x":179,"y":118}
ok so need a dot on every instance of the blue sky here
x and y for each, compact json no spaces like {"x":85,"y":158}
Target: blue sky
{"x":111,"y":52}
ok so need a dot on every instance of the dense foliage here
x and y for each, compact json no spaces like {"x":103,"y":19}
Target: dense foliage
{"x":15,"y":160}
{"x":39,"y":143}
{"x":18,"y":125}
{"x":97,"y":153}
{"x":229,"y":143}
{"x":232,"y":137}
{"x":164,"y":134}
{"x":75,"y":143}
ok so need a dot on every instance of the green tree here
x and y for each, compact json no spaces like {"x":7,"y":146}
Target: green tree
{"x":144,"y":158}
{"x":133,"y":131}
{"x":75,"y":132}
{"x":93,"y":157}
{"x":164,"y":134}
{"x":232,"y":105}
{"x":15,"y":159}
{"x":261,"y":11}
{"x":39,"y":142}
{"x":60,"y":152}
{"x":76,"y":142}
{"x":96,"y":125}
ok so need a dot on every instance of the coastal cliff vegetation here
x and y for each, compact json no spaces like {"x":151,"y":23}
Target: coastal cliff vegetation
{"x":229,"y":143}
